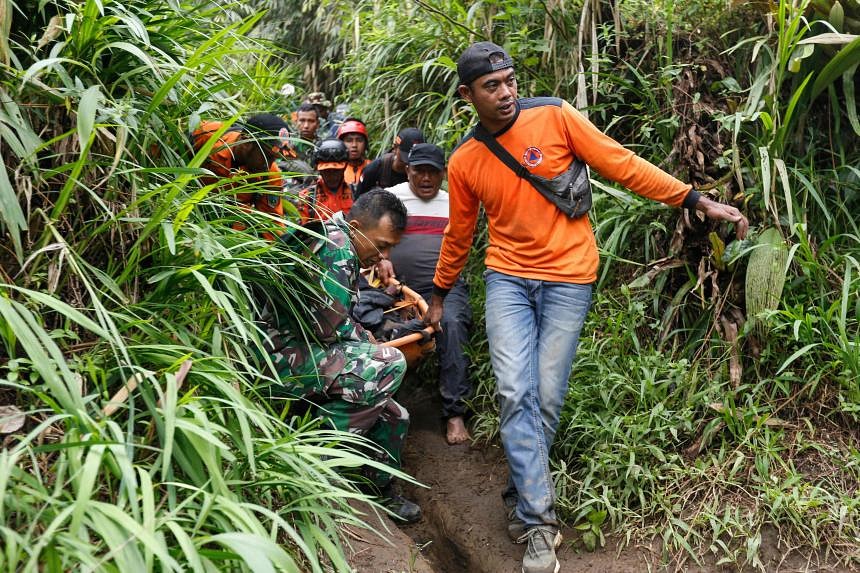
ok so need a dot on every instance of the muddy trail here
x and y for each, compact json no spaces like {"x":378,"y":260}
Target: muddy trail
{"x":464,"y":526}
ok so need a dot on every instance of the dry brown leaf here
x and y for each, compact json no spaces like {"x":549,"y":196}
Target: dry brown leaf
{"x":54,"y":29}
{"x":730,"y":332}
{"x":11,"y":419}
{"x":122,"y":394}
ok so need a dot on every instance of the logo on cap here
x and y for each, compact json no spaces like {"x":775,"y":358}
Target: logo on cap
{"x":532,"y":157}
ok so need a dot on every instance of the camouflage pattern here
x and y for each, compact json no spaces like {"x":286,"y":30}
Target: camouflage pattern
{"x":318,"y":98}
{"x":350,"y":378}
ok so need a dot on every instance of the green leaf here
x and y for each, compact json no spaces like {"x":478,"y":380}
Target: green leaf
{"x":37,"y":67}
{"x":260,"y":555}
{"x":837,"y":16}
{"x":766,"y":182}
{"x":16,"y":130}
{"x":847,"y":58}
{"x":46,"y":357}
{"x":589,"y":539}
{"x":850,"y":98}
{"x":597,"y":518}
{"x":11,"y":214}
{"x":719,"y":248}
{"x":134,"y":530}
{"x":64,"y":309}
{"x":800,"y":53}
{"x":169,"y":236}
{"x":87,"y":108}
{"x":796,"y":355}
{"x":169,"y":413}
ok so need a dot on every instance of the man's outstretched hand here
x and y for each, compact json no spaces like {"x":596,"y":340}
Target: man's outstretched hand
{"x":720,"y":211}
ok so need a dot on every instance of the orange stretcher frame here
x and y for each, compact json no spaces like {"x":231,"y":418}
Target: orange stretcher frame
{"x":412,"y":345}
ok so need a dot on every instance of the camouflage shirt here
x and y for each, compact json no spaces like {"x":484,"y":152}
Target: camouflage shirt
{"x":328,"y":313}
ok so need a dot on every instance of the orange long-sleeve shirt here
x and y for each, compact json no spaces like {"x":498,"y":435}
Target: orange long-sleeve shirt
{"x":529,"y":236}
{"x":222,"y":163}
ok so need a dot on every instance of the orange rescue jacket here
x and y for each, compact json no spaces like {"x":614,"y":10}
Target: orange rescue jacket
{"x":529,"y":236}
{"x":222,"y":162}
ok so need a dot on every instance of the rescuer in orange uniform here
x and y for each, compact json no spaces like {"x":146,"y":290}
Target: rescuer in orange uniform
{"x":330,"y":193}
{"x":353,"y":133}
{"x":541,"y":264}
{"x":244,"y":150}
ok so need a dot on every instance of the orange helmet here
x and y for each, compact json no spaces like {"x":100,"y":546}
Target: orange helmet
{"x":352,"y":125}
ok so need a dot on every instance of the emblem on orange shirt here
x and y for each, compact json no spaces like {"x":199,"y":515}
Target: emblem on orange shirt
{"x":532,"y":157}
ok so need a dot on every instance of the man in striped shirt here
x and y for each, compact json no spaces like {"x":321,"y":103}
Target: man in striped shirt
{"x":414,"y":260}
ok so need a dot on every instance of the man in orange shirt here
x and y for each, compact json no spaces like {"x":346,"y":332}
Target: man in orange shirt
{"x":330,"y":193}
{"x":353,"y":133}
{"x":243,"y":150}
{"x":541,"y":264}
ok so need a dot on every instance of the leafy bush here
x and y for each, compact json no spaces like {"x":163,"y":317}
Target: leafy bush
{"x":682,"y":419}
{"x":138,"y":432}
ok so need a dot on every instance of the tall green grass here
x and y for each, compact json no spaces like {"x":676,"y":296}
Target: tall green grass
{"x":129,"y":336}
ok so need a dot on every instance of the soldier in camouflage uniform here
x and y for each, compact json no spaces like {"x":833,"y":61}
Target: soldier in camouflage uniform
{"x":342,"y":369}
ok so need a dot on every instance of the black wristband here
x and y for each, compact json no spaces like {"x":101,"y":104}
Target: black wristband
{"x":440,"y":292}
{"x":691,"y":199}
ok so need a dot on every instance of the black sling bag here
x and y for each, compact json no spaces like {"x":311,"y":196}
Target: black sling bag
{"x":570,"y":191}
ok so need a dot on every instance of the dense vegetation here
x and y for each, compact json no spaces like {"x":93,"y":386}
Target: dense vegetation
{"x":717,"y":391}
{"x":145,"y":440}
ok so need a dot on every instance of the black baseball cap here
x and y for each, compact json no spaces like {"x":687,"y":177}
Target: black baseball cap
{"x":271,"y":129}
{"x":482,"y":58}
{"x":404,"y":141}
{"x":427,"y":154}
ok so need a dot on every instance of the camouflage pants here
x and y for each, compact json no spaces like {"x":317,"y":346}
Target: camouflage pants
{"x":353,"y":384}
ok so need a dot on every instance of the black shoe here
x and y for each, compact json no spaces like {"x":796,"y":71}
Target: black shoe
{"x":403,"y":509}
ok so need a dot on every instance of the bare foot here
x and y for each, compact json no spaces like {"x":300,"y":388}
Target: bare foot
{"x":457,"y":432}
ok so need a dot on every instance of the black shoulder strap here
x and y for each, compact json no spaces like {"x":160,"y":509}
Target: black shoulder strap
{"x":484,"y":136}
{"x":574,"y":200}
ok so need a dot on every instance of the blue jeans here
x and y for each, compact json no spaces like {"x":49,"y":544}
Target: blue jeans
{"x":533,"y":328}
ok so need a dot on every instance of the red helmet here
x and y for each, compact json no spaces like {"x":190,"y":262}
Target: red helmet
{"x":352,"y":126}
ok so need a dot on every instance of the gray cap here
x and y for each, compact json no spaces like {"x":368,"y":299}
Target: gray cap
{"x":482,"y":58}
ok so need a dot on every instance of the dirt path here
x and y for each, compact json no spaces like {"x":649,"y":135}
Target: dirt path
{"x":464,"y":527}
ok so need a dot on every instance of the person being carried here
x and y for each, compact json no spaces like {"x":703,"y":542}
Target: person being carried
{"x":353,"y":133}
{"x":330,"y":193}
{"x":247,"y":148}
{"x":337,"y":365}
{"x":541,"y":264}
{"x":414,"y":261}
{"x":390,"y":169}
